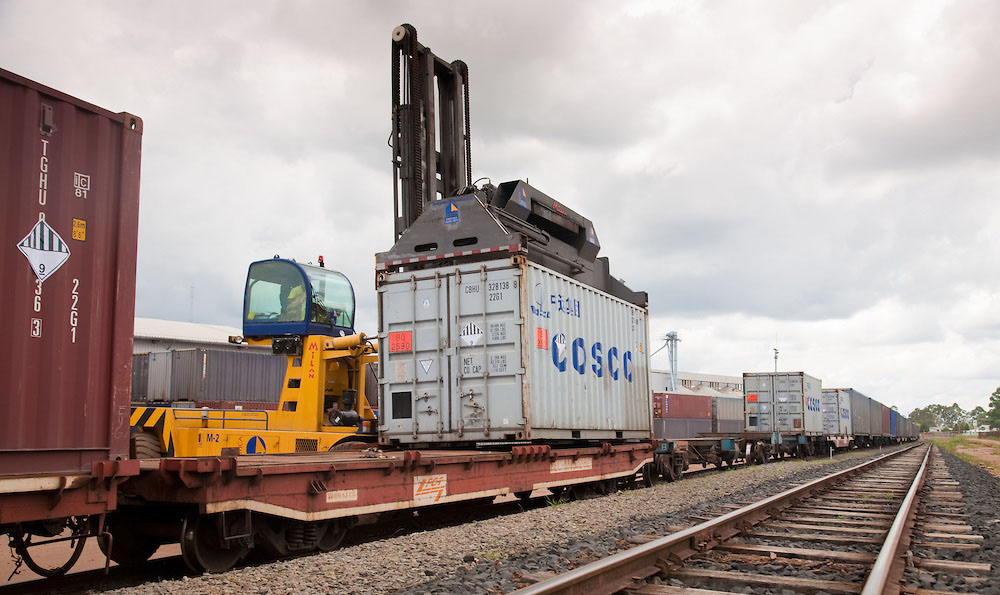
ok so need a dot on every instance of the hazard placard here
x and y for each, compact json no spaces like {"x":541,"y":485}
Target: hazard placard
{"x":752,"y":398}
{"x":400,"y":341}
{"x":542,"y":338}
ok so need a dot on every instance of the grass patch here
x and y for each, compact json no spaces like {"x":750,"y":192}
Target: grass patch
{"x":952,"y":444}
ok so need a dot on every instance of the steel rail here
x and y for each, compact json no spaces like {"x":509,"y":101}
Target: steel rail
{"x":890,"y":557}
{"x":621,"y":570}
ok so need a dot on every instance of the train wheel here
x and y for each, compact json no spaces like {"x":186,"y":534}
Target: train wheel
{"x":22,"y":545}
{"x":204,"y":549}
{"x":145,"y":445}
{"x":128,"y":547}
{"x":335,"y":531}
{"x":649,"y":475}
{"x":525,"y":495}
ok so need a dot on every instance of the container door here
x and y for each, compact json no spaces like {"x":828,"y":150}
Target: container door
{"x":831,"y":411}
{"x":788,"y":399}
{"x":413,"y":366}
{"x":485,"y":336}
{"x":160,"y":365}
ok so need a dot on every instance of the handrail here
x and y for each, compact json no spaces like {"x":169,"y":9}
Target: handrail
{"x":201,"y":416}
{"x":889,"y":554}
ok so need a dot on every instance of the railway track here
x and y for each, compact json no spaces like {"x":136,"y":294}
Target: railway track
{"x":880,"y":527}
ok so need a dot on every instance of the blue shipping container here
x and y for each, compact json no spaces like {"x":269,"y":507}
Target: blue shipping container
{"x":893,"y":422}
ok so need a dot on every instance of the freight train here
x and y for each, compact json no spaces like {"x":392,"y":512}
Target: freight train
{"x":511,"y":360}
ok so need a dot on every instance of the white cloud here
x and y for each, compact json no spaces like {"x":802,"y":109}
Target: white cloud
{"x":823,"y":171}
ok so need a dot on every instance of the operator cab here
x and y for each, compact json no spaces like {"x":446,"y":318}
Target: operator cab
{"x":284,"y":297}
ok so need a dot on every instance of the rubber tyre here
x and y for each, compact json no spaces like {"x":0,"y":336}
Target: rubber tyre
{"x":145,"y":445}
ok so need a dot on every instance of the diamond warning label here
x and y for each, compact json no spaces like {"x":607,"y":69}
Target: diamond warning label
{"x":471,"y":335}
{"x":44,"y":248}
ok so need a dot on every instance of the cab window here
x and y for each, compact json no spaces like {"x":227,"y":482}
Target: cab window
{"x":276,"y":293}
{"x":332,"y":298}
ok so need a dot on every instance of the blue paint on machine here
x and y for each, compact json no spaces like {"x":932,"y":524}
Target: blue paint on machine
{"x":616,"y":366}
{"x":256,"y":446}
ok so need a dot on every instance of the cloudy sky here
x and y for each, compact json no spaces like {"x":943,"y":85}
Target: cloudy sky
{"x":823,"y":177}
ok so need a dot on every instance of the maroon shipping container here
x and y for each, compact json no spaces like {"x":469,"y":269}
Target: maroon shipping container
{"x":680,"y":406}
{"x":69,"y":182}
{"x":886,"y":421}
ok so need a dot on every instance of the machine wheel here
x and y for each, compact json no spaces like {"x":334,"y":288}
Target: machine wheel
{"x":22,"y":545}
{"x":145,"y":445}
{"x":128,"y":547}
{"x":204,"y":549}
{"x":349,"y":445}
{"x":335,"y":531}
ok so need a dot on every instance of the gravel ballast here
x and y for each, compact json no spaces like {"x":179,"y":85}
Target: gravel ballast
{"x":488,"y":556}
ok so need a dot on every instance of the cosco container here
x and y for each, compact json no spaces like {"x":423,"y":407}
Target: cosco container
{"x":836,"y":406}
{"x":69,"y":185}
{"x":727,"y":415}
{"x":508,"y":350}
{"x":893,"y":422}
{"x":875,"y":414}
{"x":783,"y":402}
{"x":860,"y":413}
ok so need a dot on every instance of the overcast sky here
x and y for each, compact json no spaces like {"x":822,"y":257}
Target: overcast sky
{"x":820,"y":176}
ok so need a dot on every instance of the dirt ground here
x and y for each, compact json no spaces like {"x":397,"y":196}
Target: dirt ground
{"x":986,"y":453}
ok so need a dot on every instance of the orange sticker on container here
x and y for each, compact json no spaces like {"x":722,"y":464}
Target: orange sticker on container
{"x":542,"y":338}
{"x":400,"y":341}
{"x":752,"y":398}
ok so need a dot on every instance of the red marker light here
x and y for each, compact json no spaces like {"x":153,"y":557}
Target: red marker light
{"x":321,"y":264}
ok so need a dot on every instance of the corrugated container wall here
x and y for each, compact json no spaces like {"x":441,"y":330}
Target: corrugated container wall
{"x":222,"y":375}
{"x":140,"y":377}
{"x":893,"y":422}
{"x":886,"y":424}
{"x":727,"y":415}
{"x":682,"y":406}
{"x":875,"y":415}
{"x":860,"y":413}
{"x":69,"y":185}
{"x":783,"y":402}
{"x":836,"y":406}
{"x":506,"y":349}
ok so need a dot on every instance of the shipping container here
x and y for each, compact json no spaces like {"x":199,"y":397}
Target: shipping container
{"x":140,"y":377}
{"x":886,"y":424}
{"x":727,"y":415}
{"x":210,"y":375}
{"x":222,"y":375}
{"x":893,"y":422}
{"x":509,"y":350}
{"x":680,"y":428}
{"x":682,"y":406}
{"x":875,"y":416}
{"x":783,"y":402}
{"x":70,"y":194}
{"x":860,"y":413}
{"x":836,"y":406}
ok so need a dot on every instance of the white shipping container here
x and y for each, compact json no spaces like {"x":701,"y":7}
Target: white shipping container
{"x":786,"y":403}
{"x":508,"y":350}
{"x":836,"y":406}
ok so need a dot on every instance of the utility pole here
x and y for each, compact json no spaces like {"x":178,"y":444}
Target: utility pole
{"x":775,"y":360}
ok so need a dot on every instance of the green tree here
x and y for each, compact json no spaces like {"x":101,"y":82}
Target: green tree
{"x":978,"y":416}
{"x":993,"y":415}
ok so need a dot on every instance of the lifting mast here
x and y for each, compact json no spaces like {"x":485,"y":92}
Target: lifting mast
{"x":431,"y":150}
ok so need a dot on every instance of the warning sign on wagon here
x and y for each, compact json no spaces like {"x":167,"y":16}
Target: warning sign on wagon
{"x":429,"y":489}
{"x":400,"y":341}
{"x":471,"y":335}
{"x":44,"y":248}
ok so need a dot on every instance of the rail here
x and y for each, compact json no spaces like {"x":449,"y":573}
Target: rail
{"x":889,"y":560}
{"x":619,"y":571}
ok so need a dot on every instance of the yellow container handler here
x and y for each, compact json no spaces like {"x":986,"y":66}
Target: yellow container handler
{"x":306,"y":313}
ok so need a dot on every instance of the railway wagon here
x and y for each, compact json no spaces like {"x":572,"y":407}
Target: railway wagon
{"x":70,"y":198}
{"x":837,"y":426}
{"x":783,"y":413}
